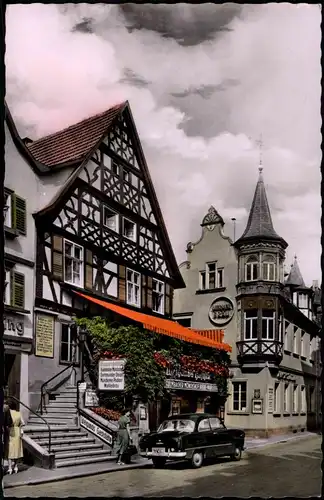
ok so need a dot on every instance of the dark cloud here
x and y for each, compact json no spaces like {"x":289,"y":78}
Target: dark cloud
{"x":206,"y":91}
{"x":85,"y":26}
{"x":130,"y":77}
{"x":187,"y":24}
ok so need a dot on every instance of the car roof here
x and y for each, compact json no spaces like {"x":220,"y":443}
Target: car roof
{"x":191,"y":416}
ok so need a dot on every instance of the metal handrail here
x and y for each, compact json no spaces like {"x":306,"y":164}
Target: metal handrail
{"x":48,"y":426}
{"x":50,"y":380}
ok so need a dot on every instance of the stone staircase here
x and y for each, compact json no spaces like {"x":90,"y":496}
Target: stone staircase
{"x":71,"y":444}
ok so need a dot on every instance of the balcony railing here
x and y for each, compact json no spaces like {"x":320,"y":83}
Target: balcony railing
{"x":260,"y":349}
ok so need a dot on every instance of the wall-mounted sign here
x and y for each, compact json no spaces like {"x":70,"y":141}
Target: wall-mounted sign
{"x":111,"y":376}
{"x":188,"y":375}
{"x":257,"y":393}
{"x":257,"y":406}
{"x":96,"y":430}
{"x":13,"y":326}
{"x":270,"y":399}
{"x":91,"y":398}
{"x":186,"y":385}
{"x":143,"y":413}
{"x":221,"y":311}
{"x":44,"y":335}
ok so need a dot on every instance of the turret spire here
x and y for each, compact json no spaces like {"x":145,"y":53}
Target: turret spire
{"x":295,"y":277}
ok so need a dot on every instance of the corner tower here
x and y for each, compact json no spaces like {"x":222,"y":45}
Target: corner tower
{"x":261,"y":254}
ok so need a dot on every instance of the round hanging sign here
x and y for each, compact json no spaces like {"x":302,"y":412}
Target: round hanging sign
{"x":221,"y":311}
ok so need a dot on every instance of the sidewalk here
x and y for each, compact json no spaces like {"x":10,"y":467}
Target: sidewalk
{"x":35,"y":475}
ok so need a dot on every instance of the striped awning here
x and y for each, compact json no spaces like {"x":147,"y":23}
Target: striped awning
{"x":166,"y":326}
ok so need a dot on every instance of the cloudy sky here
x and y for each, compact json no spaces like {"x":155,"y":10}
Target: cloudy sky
{"x":203,"y":81}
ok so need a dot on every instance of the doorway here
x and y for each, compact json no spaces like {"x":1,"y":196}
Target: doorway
{"x":12,"y":375}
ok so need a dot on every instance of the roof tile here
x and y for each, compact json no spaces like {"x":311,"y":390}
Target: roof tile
{"x":74,"y":142}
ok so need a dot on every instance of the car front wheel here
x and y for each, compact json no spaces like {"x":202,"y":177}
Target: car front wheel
{"x":159,"y":463}
{"x":237,"y":455}
{"x":197,"y":459}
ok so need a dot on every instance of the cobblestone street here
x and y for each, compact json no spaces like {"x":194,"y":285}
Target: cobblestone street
{"x":275,"y":470}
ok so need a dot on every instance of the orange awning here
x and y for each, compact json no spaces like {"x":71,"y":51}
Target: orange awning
{"x":162,"y":325}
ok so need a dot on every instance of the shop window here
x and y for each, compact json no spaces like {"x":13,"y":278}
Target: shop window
{"x":269,"y":268}
{"x":286,"y":406}
{"x":251,"y":269}
{"x":73,"y":263}
{"x":239,"y":396}
{"x":69,"y":351}
{"x":129,"y":229}
{"x":15,"y":212}
{"x":295,"y":399}
{"x":268,"y":325}
{"x":204,"y":425}
{"x":110,"y":219}
{"x":133,"y":288}
{"x":276,"y":402}
{"x":158,"y":296}
{"x":251,"y":324}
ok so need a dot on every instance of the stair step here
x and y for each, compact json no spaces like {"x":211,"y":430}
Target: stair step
{"x":57,"y":421}
{"x":58,"y":435}
{"x":54,"y":414}
{"x":60,"y":404}
{"x":66,"y":440}
{"x":79,"y":454}
{"x":54,"y":428}
{"x":61,"y":411}
{"x":81,"y":461}
{"x":62,"y":399}
{"x":80,"y":446}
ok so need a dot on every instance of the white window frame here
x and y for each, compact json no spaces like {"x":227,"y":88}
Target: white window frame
{"x":135,"y":229}
{"x":276,"y":399}
{"x":252,"y":264}
{"x":303,"y":402}
{"x":208,"y":273}
{"x":268,"y":321}
{"x":302,"y":344}
{"x":204,"y":276}
{"x":248,"y":326}
{"x":132,"y":286}
{"x":7,"y":291}
{"x":70,"y":344}
{"x":268,"y":266}
{"x":303,"y":298}
{"x":237,"y":388}
{"x":295,"y":399}
{"x":220,"y":271}
{"x":81,"y":261}
{"x":113,"y":216}
{"x":160,"y":310}
{"x":8,"y":211}
{"x":286,"y":401}
{"x":295,"y":343}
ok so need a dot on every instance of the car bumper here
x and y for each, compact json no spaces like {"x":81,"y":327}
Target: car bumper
{"x":167,"y":454}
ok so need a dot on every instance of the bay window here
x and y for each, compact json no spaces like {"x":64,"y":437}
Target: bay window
{"x":268,"y":325}
{"x":133,"y":288}
{"x":251,"y":324}
{"x":251,"y":269}
{"x":73,"y":263}
{"x":269,"y":268}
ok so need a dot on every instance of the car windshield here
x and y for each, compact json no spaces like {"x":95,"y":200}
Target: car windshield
{"x":177,"y":425}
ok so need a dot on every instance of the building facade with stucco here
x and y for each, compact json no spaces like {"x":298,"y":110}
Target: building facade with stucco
{"x":269,"y":317}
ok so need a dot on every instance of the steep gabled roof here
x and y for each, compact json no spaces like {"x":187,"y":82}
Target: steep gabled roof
{"x":295,"y":277}
{"x":259,"y":225}
{"x":75,"y":142}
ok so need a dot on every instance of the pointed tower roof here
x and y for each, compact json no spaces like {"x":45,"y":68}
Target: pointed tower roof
{"x":259,"y":225}
{"x":295,"y":276}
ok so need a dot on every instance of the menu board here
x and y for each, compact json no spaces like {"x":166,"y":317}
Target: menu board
{"x":44,"y":336}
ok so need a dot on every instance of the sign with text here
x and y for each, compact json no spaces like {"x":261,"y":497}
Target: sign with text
{"x":90,"y":398}
{"x":188,"y":375}
{"x":44,"y":336}
{"x":186,"y":385}
{"x":96,"y":430}
{"x":270,"y":400}
{"x":221,"y":311}
{"x":13,"y":326}
{"x":111,"y":376}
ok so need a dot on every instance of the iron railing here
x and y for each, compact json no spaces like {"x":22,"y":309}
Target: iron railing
{"x":37,"y":415}
{"x":70,"y":365}
{"x":260,"y":348}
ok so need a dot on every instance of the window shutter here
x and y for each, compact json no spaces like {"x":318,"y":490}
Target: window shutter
{"x":57,"y":256}
{"x":88,"y":270}
{"x":168,"y":301}
{"x":122,"y":283}
{"x":149,"y":292}
{"x":17,"y":292}
{"x":144,"y":285}
{"x":18,"y":213}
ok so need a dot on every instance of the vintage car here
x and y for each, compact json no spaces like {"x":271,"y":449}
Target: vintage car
{"x":192,"y":437}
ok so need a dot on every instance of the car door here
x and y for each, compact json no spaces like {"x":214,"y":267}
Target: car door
{"x":205,"y":437}
{"x":221,"y":438}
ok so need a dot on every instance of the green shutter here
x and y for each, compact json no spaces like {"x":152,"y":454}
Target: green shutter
{"x":57,"y":257}
{"x":17,"y":292}
{"x":18,"y":214}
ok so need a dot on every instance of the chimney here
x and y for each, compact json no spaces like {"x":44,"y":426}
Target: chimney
{"x":315,"y":284}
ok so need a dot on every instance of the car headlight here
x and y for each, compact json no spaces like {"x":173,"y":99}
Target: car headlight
{"x":172,"y":449}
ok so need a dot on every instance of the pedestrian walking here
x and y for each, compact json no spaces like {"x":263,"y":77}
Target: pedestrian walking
{"x":7,"y":424}
{"x":15,"y":449}
{"x":123,"y":436}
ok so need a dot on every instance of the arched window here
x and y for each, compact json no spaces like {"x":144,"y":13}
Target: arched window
{"x":251,"y":268}
{"x":269,"y":268}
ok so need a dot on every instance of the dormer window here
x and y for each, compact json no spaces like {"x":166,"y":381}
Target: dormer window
{"x":251,"y":269}
{"x":269,"y":268}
